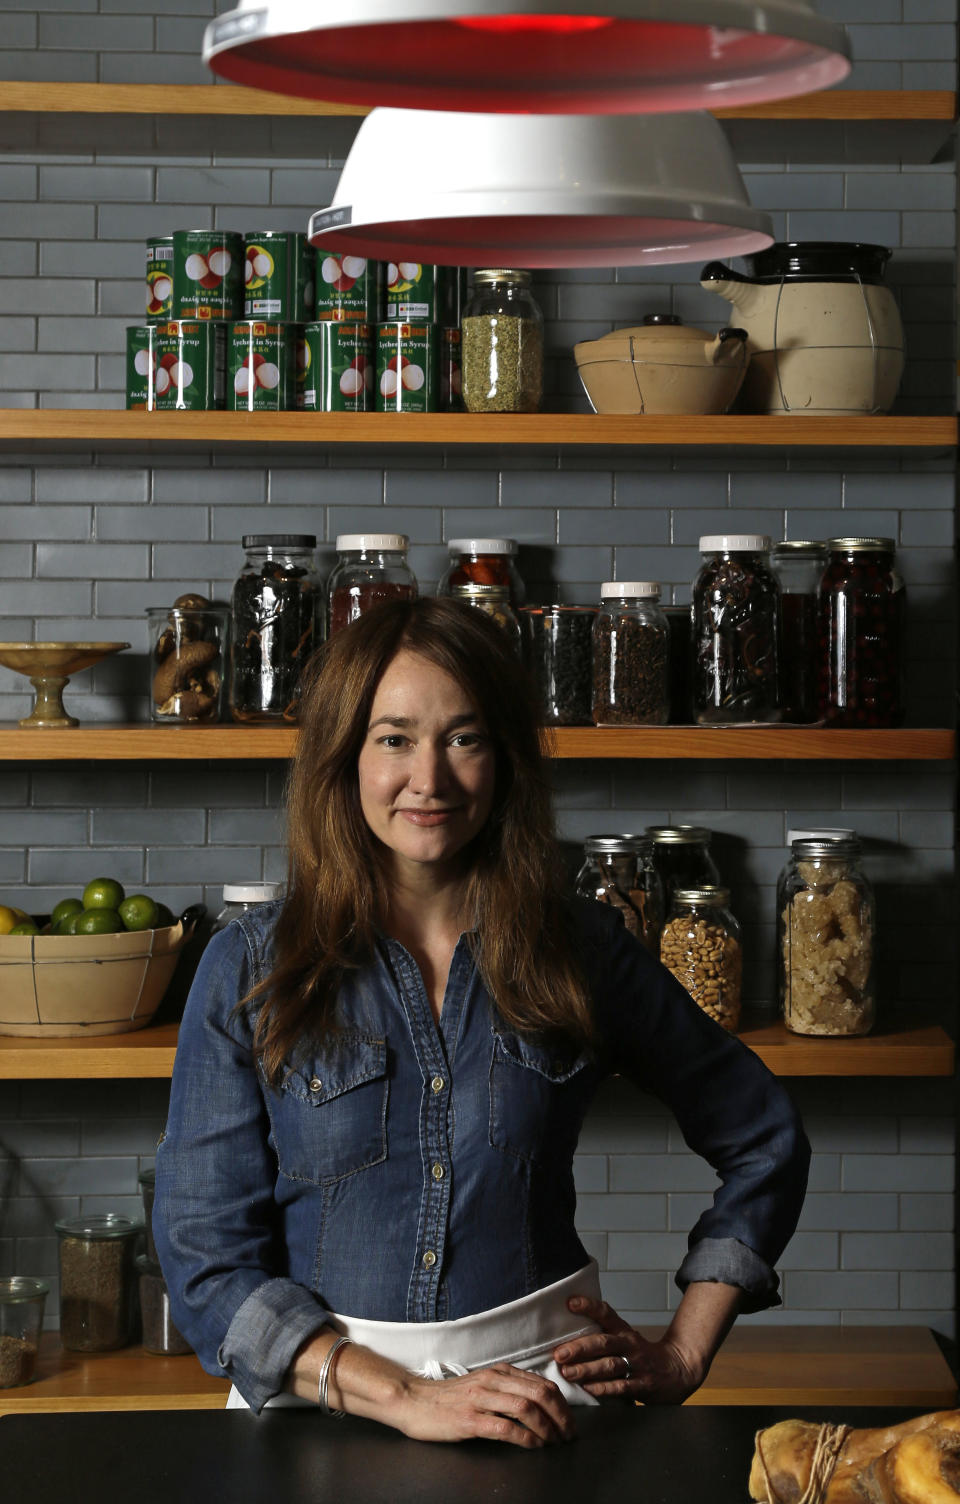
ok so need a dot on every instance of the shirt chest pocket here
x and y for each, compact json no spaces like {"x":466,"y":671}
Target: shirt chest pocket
{"x":330,"y":1116}
{"x":538,"y":1098}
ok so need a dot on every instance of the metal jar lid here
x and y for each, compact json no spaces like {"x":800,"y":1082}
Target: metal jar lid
{"x":799,"y":546}
{"x":862,"y":545}
{"x":709,"y":896}
{"x":278,"y":540}
{"x":814,"y":850}
{"x":621,"y":845}
{"x":500,"y":274}
{"x":474,"y":592}
{"x":679,"y":835}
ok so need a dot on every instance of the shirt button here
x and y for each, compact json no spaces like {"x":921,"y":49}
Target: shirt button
{"x":438,"y":1172}
{"x":316,"y":1084}
{"x":429,"y":1259}
{"x":437,"y":1084}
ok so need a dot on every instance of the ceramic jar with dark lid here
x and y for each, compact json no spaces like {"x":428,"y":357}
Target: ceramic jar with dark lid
{"x":862,"y":605}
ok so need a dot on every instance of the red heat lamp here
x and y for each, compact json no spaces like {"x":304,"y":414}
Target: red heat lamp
{"x":637,"y":57}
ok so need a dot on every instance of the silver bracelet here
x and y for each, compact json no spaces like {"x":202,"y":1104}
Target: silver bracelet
{"x":324,"y":1379}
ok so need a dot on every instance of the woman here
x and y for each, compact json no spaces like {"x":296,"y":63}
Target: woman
{"x":380,"y":1082}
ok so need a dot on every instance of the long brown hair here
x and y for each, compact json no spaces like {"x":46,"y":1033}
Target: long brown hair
{"x":336,"y":892}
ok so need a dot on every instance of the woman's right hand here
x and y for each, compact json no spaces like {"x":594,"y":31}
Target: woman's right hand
{"x":501,"y":1403}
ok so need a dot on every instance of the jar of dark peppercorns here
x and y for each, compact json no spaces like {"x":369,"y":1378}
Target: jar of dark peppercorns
{"x":558,"y":650}
{"x":619,"y":871}
{"x":630,"y":656}
{"x":484,"y":561}
{"x":277,"y":622}
{"x":736,"y":632}
{"x":798,"y":566}
{"x":371,"y":568}
{"x":862,"y":603}
{"x":681,"y":855}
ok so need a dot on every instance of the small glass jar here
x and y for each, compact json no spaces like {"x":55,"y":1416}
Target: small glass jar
{"x":558,"y":647}
{"x":160,"y":1336}
{"x":21,"y":1322}
{"x":277,"y":623}
{"x":736,"y":632}
{"x":678,"y":665}
{"x":97,"y":1305}
{"x":147,"y":1181}
{"x":484,"y":561}
{"x":619,"y":870}
{"x":862,"y":604}
{"x":700,"y":945}
{"x":631,"y":654}
{"x":798,"y":566}
{"x":371,"y":568}
{"x":188,"y":658}
{"x":239,"y":897}
{"x":495,"y":601}
{"x":826,"y":921}
{"x":681,"y":855}
{"x":502,"y":345}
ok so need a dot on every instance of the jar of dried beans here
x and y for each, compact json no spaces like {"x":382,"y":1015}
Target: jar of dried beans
{"x":276,"y":606}
{"x":97,"y":1294}
{"x":484,"y":561}
{"x":558,"y":646}
{"x":736,"y":631}
{"x":862,"y":602}
{"x":826,"y":922}
{"x":502,"y":344}
{"x":631,"y":641}
{"x":681,"y":855}
{"x":495,"y":601}
{"x":700,"y":945}
{"x":798,"y":566}
{"x":371,"y":568}
{"x":619,"y":871}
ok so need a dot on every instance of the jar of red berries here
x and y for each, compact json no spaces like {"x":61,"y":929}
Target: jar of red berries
{"x":862,"y":604}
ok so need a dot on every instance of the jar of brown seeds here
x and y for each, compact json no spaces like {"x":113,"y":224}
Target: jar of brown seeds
{"x":700,"y":945}
{"x":97,"y":1294}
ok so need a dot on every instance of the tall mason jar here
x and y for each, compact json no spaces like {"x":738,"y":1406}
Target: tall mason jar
{"x":371,"y":568}
{"x":862,"y":606}
{"x":631,"y":655}
{"x":700,"y":945}
{"x":276,"y":610}
{"x":618,"y":870}
{"x":826,"y":922}
{"x":736,"y":632}
{"x":502,"y":344}
{"x":798,"y":566}
{"x":681,"y":855}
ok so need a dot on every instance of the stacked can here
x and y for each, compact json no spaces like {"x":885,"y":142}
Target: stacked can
{"x":189,"y":365}
{"x":418,"y":344}
{"x":141,"y":338}
{"x":336,"y":363}
{"x":265,"y":346}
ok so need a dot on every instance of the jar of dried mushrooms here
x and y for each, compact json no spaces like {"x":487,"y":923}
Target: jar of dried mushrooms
{"x":618,"y":870}
{"x":502,"y":344}
{"x":826,"y":920}
{"x":700,"y":945}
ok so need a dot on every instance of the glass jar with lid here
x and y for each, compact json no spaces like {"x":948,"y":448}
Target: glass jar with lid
{"x":862,"y":604}
{"x":276,"y":609}
{"x":681,"y":855}
{"x":826,"y":922}
{"x":502,"y":344}
{"x":736,"y":631}
{"x":558,"y":648}
{"x":700,"y":945}
{"x":239,"y":897}
{"x":187,"y":662}
{"x":631,"y":654}
{"x":798,"y":566}
{"x":618,"y":870}
{"x":484,"y":561}
{"x":97,"y":1293}
{"x":371,"y":568}
{"x":495,"y":601}
{"x":22,"y":1303}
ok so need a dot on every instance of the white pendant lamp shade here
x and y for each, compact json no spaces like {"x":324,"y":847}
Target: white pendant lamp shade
{"x":540,"y":191}
{"x":548,"y":56}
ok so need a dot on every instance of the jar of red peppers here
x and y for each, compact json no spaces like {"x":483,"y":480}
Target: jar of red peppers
{"x":371,"y":568}
{"x":862,"y":602}
{"x":484,"y":561}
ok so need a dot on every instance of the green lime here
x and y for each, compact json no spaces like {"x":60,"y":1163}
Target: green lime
{"x":66,"y":926}
{"x":64,"y":909}
{"x":103,"y":893}
{"x":138,"y":912}
{"x":100,"y":921}
{"x":25,"y":927}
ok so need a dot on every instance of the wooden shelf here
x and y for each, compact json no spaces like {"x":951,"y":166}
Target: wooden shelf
{"x":780,"y":1365}
{"x":233,"y":99}
{"x":900,"y":1048}
{"x":76,"y":428}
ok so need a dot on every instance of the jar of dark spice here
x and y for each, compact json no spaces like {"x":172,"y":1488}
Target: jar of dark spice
{"x":22,"y":1302}
{"x":159,"y":1333}
{"x":798,"y":566}
{"x":484,"y":561}
{"x":619,"y":871}
{"x":97,"y":1303}
{"x":862,"y":604}
{"x":681,"y":855}
{"x":371,"y":568}
{"x":277,"y":616}
{"x":502,"y":347}
{"x":558,"y":650}
{"x":736,"y":632}
{"x":495,"y":601}
{"x":630,"y":656}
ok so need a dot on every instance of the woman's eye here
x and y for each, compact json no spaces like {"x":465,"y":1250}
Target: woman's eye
{"x":392,"y":741}
{"x":466,"y":739}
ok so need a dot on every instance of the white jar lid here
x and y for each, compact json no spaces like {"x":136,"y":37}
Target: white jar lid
{"x":735,"y":543}
{"x":832,"y":834}
{"x":482,"y":546}
{"x":634,"y":589}
{"x":372,"y":542}
{"x":250,"y":892}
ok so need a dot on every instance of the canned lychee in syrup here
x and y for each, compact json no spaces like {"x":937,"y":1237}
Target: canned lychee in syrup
{"x":425,"y":293}
{"x":340,"y":367}
{"x":160,"y":277}
{"x":408,"y":361}
{"x":141,"y":366}
{"x":260,"y":367}
{"x":279,"y":276}
{"x":348,"y":288}
{"x":191,"y":365}
{"x":207,"y":274}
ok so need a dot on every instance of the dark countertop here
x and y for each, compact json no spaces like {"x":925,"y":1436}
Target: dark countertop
{"x":623,"y":1455}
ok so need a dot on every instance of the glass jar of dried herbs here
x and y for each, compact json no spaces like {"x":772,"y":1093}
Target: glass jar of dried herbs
{"x":277,"y":618}
{"x":619,"y":871}
{"x":502,"y":344}
{"x":630,"y":639}
{"x":736,"y":632}
{"x":97,"y":1294}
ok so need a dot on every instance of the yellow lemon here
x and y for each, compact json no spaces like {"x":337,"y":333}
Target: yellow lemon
{"x":8,"y":918}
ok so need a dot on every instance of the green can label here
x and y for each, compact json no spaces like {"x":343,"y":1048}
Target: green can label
{"x":430,"y":293}
{"x":408,"y":361}
{"x":339,"y":367}
{"x":302,"y":364}
{"x":279,"y":277}
{"x":160,"y":278}
{"x":260,"y":367}
{"x":348,"y":288}
{"x":141,"y":366}
{"x":191,"y":365}
{"x":207,"y":274}
{"x":451,"y":371}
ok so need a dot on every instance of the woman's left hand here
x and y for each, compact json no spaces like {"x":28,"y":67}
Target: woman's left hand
{"x":655,"y":1372}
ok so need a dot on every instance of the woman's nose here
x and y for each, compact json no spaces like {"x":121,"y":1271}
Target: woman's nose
{"x":428,"y":775}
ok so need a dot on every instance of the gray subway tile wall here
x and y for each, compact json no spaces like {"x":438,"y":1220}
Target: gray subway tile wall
{"x":89,"y":539}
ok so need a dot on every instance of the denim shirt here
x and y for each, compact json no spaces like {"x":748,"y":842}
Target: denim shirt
{"x":411,"y":1171}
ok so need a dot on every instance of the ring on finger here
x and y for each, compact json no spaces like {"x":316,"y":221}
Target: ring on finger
{"x":624,"y":1359}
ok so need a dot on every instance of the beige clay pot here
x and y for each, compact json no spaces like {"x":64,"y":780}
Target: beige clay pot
{"x":662,"y":367}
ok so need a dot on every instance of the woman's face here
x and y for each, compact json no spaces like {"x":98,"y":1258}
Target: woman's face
{"x":427,"y":765}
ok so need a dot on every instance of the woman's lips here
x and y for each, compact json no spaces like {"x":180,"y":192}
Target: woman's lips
{"x":427,"y":817}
